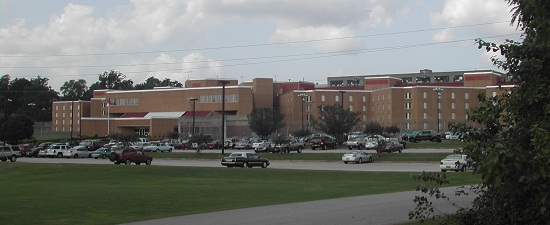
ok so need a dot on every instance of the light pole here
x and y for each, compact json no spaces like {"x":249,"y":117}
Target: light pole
{"x":223,"y":83}
{"x":342,"y":93}
{"x":438,"y":91}
{"x":193,"y":99}
{"x":303,"y":96}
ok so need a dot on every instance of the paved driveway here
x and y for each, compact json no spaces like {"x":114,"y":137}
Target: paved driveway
{"x":390,"y":208}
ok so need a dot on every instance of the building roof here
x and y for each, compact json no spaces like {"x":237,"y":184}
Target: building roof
{"x":134,"y":115}
{"x":174,"y":115}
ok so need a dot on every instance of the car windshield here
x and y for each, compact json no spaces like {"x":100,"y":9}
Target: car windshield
{"x":453,"y":157}
{"x":235,"y":155}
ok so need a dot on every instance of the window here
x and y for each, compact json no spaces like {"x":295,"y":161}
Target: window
{"x":350,"y":108}
{"x":408,"y":116}
{"x":336,"y":98}
{"x":56,"y":115}
{"x":466,"y":105}
{"x":364,"y":117}
{"x":56,"y":107}
{"x":424,"y":105}
{"x":425,"y":115}
{"x":103,"y":113}
{"x":452,"y":95}
{"x":408,"y":105}
{"x":408,"y":95}
{"x":63,"y":107}
{"x":494,"y":93}
{"x":408,"y":126}
{"x":308,"y":108}
{"x":453,"y":116}
{"x":424,"y":94}
{"x":322,"y":98}
{"x":364,"y":108}
{"x":364,"y":98}
{"x":350,"y":98}
{"x":453,"y":105}
{"x":439,"y":105}
{"x":466,"y":95}
{"x":425,"y":126}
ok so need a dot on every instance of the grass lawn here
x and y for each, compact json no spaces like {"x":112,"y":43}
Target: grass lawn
{"x":109,"y":194}
{"x":336,"y":157}
{"x":429,"y":144}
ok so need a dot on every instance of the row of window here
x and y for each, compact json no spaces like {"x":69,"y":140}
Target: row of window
{"x":408,"y":95}
{"x":70,"y":115}
{"x":408,"y":116}
{"x":218,"y":98}
{"x":64,"y":107}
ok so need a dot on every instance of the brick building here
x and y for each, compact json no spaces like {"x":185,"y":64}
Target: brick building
{"x":387,"y":99}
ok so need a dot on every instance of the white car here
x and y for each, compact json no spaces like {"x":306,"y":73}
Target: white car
{"x":56,"y":150}
{"x":158,"y":147}
{"x":455,"y":162}
{"x":356,"y":157}
{"x":79,"y":151}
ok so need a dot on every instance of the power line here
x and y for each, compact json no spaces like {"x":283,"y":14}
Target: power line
{"x":251,"y":45}
{"x":282,"y":58}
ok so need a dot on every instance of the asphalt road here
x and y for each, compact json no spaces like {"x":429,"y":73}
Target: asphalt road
{"x":390,"y":208}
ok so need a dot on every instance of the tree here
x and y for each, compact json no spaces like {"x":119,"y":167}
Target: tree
{"x":264,"y":121}
{"x":373,"y":128}
{"x":335,"y":121}
{"x":512,"y":148}
{"x":16,"y":129}
{"x":153,"y":82}
{"x":73,"y":90}
{"x":392,"y":130}
{"x":113,"y":79}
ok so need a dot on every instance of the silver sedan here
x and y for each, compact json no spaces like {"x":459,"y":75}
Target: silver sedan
{"x":356,"y":157}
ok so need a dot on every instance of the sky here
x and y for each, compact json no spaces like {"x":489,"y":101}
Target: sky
{"x":243,"y":39}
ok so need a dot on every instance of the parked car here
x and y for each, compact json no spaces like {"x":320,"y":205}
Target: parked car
{"x":216,"y":144}
{"x":156,"y":146}
{"x":357,"y":142}
{"x":139,"y":145}
{"x":79,"y":151}
{"x":9,"y":152}
{"x":231,"y":142}
{"x":243,"y":144}
{"x":56,"y":150}
{"x":288,"y":145}
{"x":184,"y":145}
{"x":244,"y":159}
{"x":131,"y":156}
{"x":263,"y":147}
{"x":356,"y":157}
{"x":33,"y":152}
{"x":322,"y":142}
{"x":455,"y":162}
{"x":101,"y":153}
{"x":392,"y":146}
{"x":426,"y":135}
{"x":255,"y":144}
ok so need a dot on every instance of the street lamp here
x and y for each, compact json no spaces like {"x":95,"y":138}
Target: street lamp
{"x":438,"y":91}
{"x":342,"y":93}
{"x":223,"y":83}
{"x":303,"y":96}
{"x":193,"y":99}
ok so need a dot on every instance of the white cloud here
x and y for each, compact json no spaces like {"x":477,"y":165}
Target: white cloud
{"x":317,"y":33}
{"x":469,"y":12}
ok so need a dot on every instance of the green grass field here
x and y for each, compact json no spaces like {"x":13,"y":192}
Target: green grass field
{"x":108,"y":194}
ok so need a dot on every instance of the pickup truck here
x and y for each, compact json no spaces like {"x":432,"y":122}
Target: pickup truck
{"x":426,"y":135}
{"x":131,"y":156}
{"x":356,"y":142}
{"x":287,"y":145}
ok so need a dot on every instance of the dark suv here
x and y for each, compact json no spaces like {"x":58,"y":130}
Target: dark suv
{"x":131,"y":156}
{"x":426,"y":135}
{"x":322,"y":142}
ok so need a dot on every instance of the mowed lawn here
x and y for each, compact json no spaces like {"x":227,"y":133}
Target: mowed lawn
{"x":112,"y":194}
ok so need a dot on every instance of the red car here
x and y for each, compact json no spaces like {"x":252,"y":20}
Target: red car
{"x":214,"y":144}
{"x":131,"y":156}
